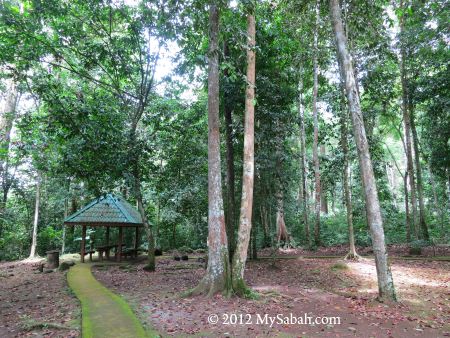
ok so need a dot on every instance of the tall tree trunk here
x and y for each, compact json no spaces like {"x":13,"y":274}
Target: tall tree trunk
{"x":36,"y":218}
{"x":422,"y":220}
{"x":245,"y":219}
{"x":323,"y":189}
{"x":66,"y":213}
{"x":385,"y":282}
{"x":217,"y":278}
{"x":407,"y":124}
{"x":316,"y":133}
{"x":303,"y":186}
{"x":347,"y":193}
{"x":73,"y":209}
{"x":282,"y":233}
{"x":440,"y":212}
{"x":405,"y":186}
{"x":433,"y":188}
{"x":265,"y":225}
{"x":151,"y":262}
{"x":231,"y":202}
{"x":7,"y":116}
{"x":407,"y":214}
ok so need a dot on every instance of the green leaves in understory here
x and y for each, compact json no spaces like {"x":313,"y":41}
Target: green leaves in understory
{"x":95,"y":99}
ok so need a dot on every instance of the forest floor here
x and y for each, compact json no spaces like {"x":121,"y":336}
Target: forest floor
{"x":317,"y":287}
{"x":34,"y":304}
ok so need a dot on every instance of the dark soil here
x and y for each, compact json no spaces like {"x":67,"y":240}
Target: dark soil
{"x":317,"y":287}
{"x":34,"y":304}
{"x":394,"y":250}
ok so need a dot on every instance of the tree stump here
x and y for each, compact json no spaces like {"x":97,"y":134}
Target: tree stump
{"x":52,"y":259}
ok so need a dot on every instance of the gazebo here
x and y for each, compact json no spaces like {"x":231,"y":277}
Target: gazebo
{"x":108,"y":211}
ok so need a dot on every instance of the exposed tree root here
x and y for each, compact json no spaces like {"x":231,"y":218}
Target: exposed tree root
{"x":210,"y":288}
{"x":352,"y":256}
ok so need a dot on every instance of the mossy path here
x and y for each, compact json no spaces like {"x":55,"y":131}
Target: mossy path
{"x":104,"y":314}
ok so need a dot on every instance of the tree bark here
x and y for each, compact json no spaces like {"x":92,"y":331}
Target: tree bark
{"x":245,"y":219}
{"x":352,"y":254}
{"x":303,"y":187}
{"x":282,"y":233}
{"x":407,"y":214}
{"x":265,"y":225}
{"x":407,"y":125}
{"x":36,"y":218}
{"x":323,"y":188}
{"x":7,"y":116}
{"x":385,"y":282}
{"x":231,"y":202}
{"x":422,"y":221}
{"x":316,"y":134}
{"x":254,"y":243}
{"x":66,"y":213}
{"x":151,"y":262}
{"x":217,"y":278}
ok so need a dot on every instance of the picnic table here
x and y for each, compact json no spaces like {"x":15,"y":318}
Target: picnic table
{"x":106,"y":249}
{"x":130,"y":252}
{"x":88,"y":252}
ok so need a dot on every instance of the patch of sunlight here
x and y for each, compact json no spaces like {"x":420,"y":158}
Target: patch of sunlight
{"x":402,"y":277}
{"x":266,"y":288}
{"x":367,"y":290}
{"x":288,"y":251}
{"x":414,"y":280}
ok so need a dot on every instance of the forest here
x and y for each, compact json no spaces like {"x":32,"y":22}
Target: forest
{"x":278,"y":156}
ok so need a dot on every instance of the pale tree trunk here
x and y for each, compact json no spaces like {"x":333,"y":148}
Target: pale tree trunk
{"x":316,"y":134}
{"x":323,"y":189}
{"x":66,"y":213}
{"x":422,"y":221}
{"x":282,"y":233}
{"x":352,"y":254}
{"x":151,"y":261}
{"x":231,"y":203}
{"x":407,"y":214}
{"x":36,"y":218}
{"x":405,"y":186}
{"x":385,"y":282}
{"x":265,"y":225}
{"x":254,"y":249}
{"x":333,"y":199}
{"x":433,"y":188}
{"x":7,"y":116}
{"x":407,"y":125}
{"x":440,"y":212}
{"x":245,"y":219}
{"x":217,"y":278}
{"x":303,"y":187}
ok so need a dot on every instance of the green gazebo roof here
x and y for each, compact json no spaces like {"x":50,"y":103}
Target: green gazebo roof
{"x":107,"y":210}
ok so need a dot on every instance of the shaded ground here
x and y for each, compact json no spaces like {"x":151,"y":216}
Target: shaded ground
{"x":104,"y":313}
{"x":342,"y":250}
{"x":317,"y":287}
{"x":36,"y":304}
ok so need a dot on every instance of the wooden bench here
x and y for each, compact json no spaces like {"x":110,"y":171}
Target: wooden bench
{"x":88,"y":252}
{"x":130,"y":252}
{"x":440,"y":246}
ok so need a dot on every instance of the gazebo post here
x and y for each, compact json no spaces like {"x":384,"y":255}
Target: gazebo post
{"x":107,"y":242}
{"x":119,"y":249}
{"x":136,"y":241}
{"x":83,"y":242}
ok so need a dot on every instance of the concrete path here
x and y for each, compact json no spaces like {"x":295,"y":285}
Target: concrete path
{"x":104,"y":314}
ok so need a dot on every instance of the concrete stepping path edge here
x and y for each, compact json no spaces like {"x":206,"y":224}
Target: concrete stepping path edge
{"x":104,"y":314}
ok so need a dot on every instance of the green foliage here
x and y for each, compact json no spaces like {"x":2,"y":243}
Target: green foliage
{"x":97,"y":115}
